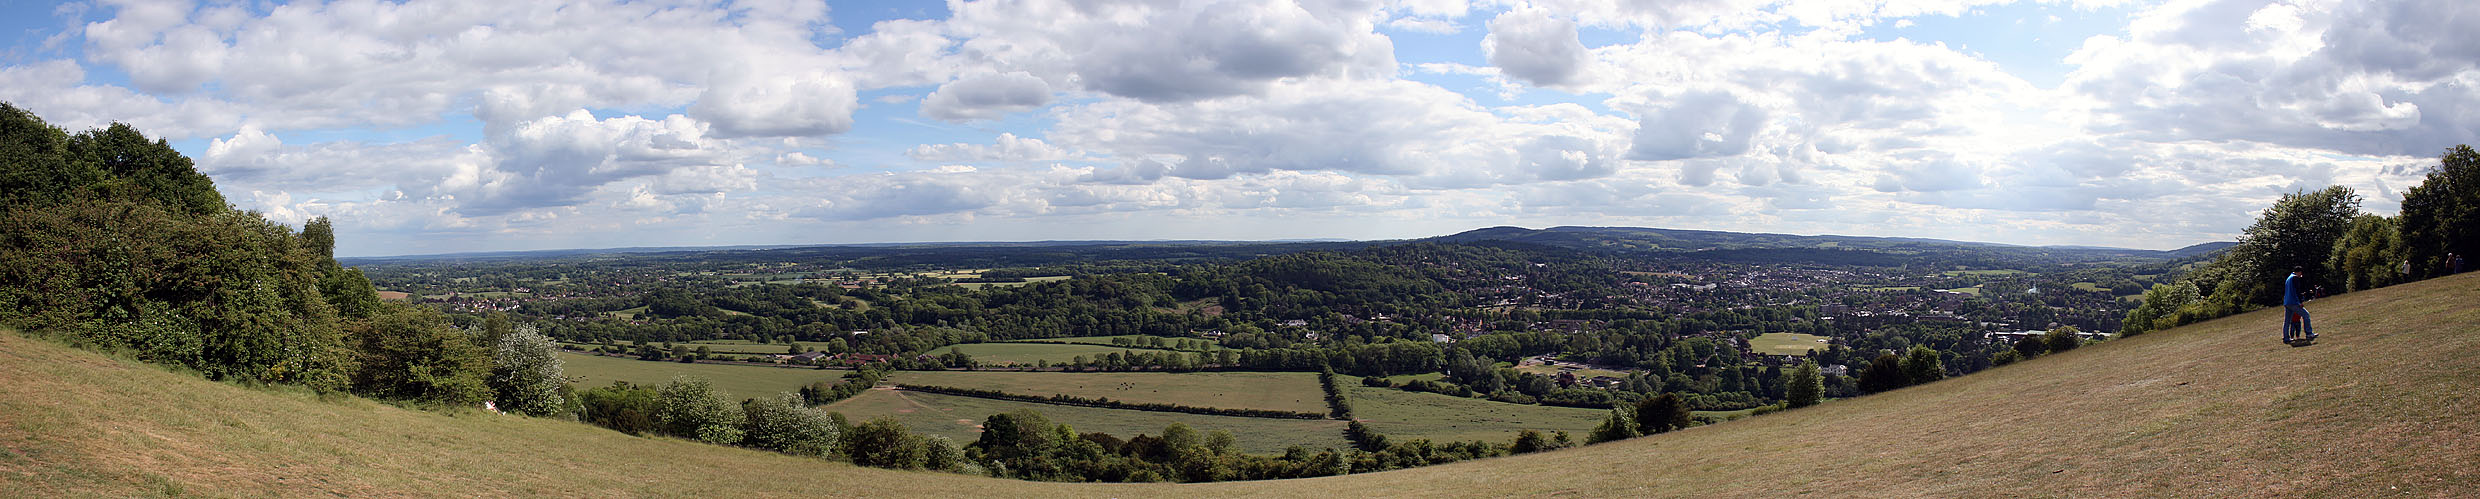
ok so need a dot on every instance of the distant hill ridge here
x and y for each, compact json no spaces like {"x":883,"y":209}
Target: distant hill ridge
{"x":1639,"y":241}
{"x":2383,"y":405}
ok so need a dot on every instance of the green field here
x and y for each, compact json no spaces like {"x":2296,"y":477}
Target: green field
{"x":1403,"y":415}
{"x":1984,"y":273}
{"x":958,"y":418}
{"x":1297,"y":392}
{"x":1974,"y":291}
{"x":1106,"y":340}
{"x":629,"y":313}
{"x":1551,"y":370}
{"x":737,"y":382}
{"x":1786,"y":343}
{"x":746,"y":347}
{"x":1028,"y":280}
{"x":1028,"y":353}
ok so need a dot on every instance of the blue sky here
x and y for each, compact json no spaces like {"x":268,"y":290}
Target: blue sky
{"x":446,"y":126}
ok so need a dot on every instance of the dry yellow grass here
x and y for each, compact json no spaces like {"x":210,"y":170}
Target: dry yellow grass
{"x":2385,"y":405}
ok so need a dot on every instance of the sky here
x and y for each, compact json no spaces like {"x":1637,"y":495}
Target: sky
{"x":451,"y":126}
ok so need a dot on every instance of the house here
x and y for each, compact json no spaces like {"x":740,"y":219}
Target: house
{"x":809,"y":356}
{"x":1441,"y":338}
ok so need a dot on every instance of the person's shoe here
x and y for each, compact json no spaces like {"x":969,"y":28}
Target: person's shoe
{"x":2311,"y":336}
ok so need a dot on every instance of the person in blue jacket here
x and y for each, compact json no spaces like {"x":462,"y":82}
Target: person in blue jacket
{"x":2293,"y":295}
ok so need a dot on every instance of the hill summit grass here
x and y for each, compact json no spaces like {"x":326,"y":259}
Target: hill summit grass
{"x":2384,"y":404}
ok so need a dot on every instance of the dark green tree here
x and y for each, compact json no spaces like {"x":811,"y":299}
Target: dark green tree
{"x":1922,"y":365}
{"x":1805,"y":387}
{"x":1884,"y":373}
{"x":2442,"y":214}
{"x":1661,"y":414}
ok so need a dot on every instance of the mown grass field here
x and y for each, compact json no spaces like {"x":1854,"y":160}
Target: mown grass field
{"x":2384,"y":405}
{"x":746,"y":347}
{"x":1029,"y":353}
{"x":1239,"y":390}
{"x":1553,"y":370}
{"x":1028,"y":280}
{"x":1403,"y":415}
{"x":1106,"y":340}
{"x":958,"y":418}
{"x":736,"y":382}
{"x":1786,"y":343}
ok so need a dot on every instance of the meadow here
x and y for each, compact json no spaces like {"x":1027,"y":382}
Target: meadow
{"x":1293,"y":391}
{"x":1786,"y":343}
{"x":1027,"y":354}
{"x":959,"y":418}
{"x":1106,"y":340}
{"x":737,"y":382}
{"x":1403,"y":415}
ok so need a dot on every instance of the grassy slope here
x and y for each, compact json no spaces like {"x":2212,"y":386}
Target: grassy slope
{"x":2383,"y":405}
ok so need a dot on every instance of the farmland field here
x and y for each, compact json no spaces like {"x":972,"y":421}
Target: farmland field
{"x":1293,"y":391}
{"x":1106,"y":340}
{"x":737,"y":382}
{"x":1027,"y":353}
{"x":1402,"y":415}
{"x":1785,"y":343}
{"x":1028,"y":280}
{"x":958,"y":418}
{"x":746,"y":347}
{"x":1585,"y":373}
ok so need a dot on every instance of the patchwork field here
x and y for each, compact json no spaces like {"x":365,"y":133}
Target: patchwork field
{"x":958,"y":418}
{"x":1297,"y":392}
{"x":1029,"y":353}
{"x":1786,"y":343}
{"x":737,"y":382}
{"x":1402,"y":415}
{"x":2204,"y":410}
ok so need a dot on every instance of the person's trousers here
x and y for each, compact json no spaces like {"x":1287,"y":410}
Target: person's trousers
{"x":2296,"y":324}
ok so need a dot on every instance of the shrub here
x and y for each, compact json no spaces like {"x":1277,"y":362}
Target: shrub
{"x":412,"y":354}
{"x":628,"y":408}
{"x":526,"y":373}
{"x":781,"y":424}
{"x":1619,"y":426}
{"x":884,"y":443}
{"x":691,"y":409}
{"x":2062,"y":339}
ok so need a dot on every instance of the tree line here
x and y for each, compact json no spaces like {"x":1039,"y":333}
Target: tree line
{"x":2342,"y":248}
{"x":115,"y":241}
